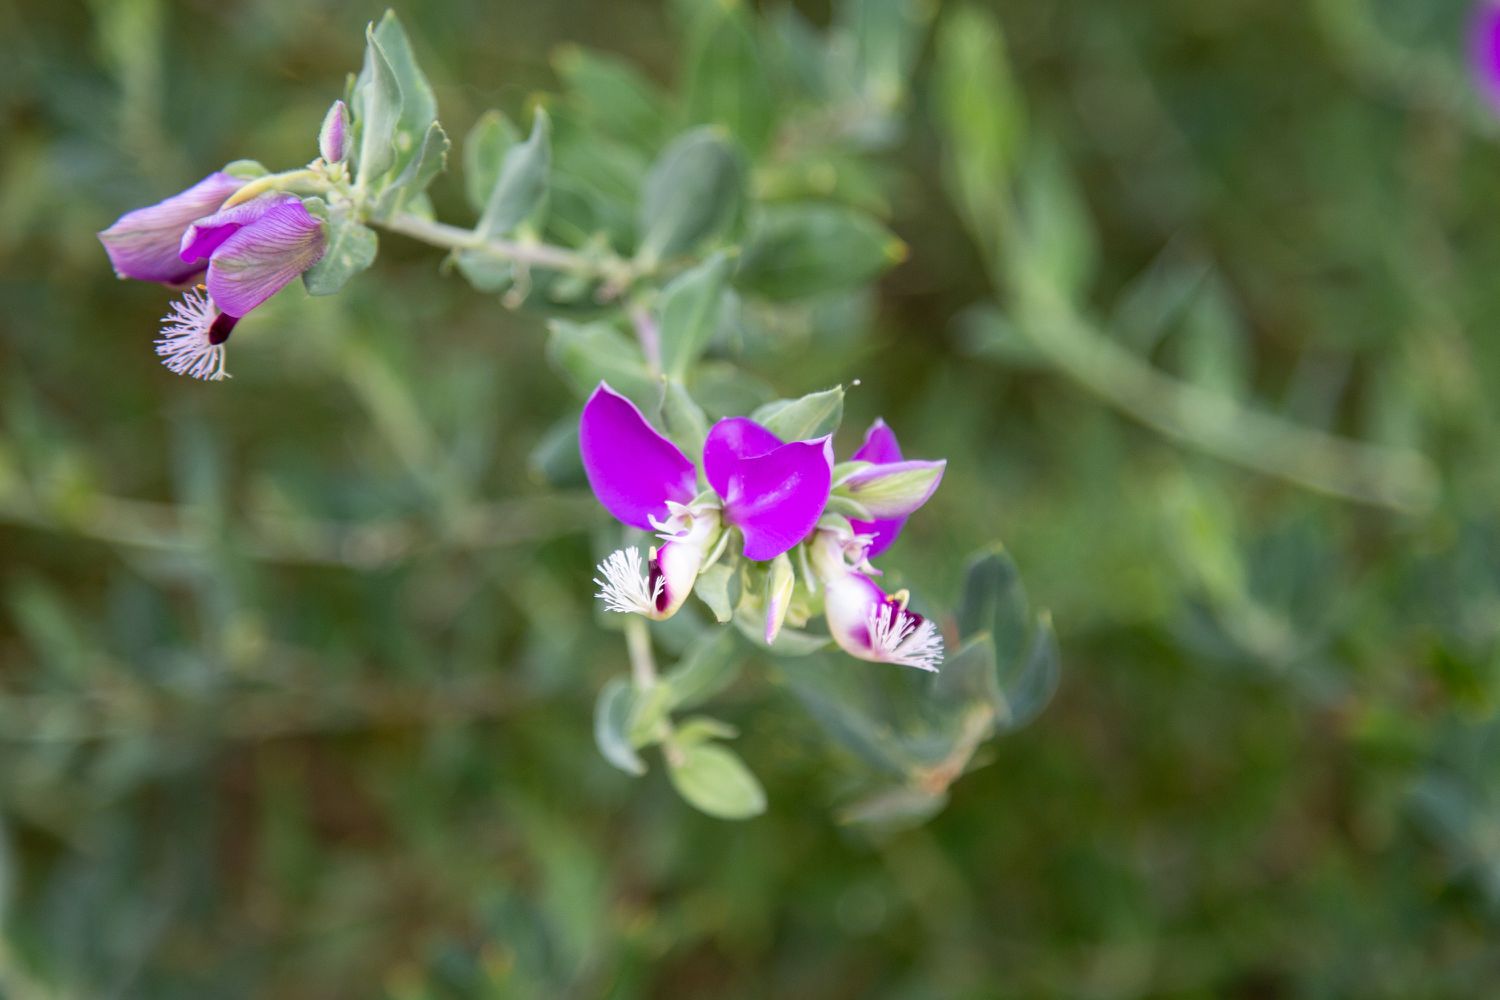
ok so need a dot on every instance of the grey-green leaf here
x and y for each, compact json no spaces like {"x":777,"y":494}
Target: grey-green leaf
{"x":378,"y":106}
{"x":587,"y":354}
{"x":689,"y":311}
{"x":710,"y":665}
{"x":692,"y":193}
{"x":418,"y":104}
{"x":485,"y":147}
{"x":521,"y":187}
{"x":712,"y":779}
{"x":808,"y":249}
{"x":612,"y":726}
{"x":720,"y":588}
{"x":683,"y":418}
{"x":812,"y":416}
{"x":352,"y":247}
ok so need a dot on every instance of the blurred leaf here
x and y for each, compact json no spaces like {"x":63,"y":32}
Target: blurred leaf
{"x":1057,"y":244}
{"x":802,"y":250}
{"x":588,"y":354}
{"x":485,"y":147}
{"x":714,"y":780}
{"x":420,"y":171}
{"x":555,"y":459}
{"x":887,"y":36}
{"x":521,"y":188}
{"x":708,"y":667}
{"x":725,"y":79}
{"x":1023,"y":650}
{"x":692,"y":194}
{"x":982,"y":115}
{"x":689,"y":309}
{"x":616,"y":99}
{"x":612,"y":714}
{"x":683,"y":419}
{"x":812,"y":416}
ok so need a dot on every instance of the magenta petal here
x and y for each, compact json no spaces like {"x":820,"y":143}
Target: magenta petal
{"x":1484,"y":49}
{"x":730,"y":440}
{"x":632,"y":469}
{"x":205,"y":235}
{"x":880,"y":445}
{"x":776,"y":498}
{"x":144,"y":244}
{"x":260,"y":259}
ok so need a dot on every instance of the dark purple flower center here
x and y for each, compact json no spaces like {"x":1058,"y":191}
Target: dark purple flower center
{"x":221,"y":328}
{"x":653,"y":575}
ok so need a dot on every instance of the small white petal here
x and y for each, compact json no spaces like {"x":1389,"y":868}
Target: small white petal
{"x":184,"y":342}
{"x":625,"y":587}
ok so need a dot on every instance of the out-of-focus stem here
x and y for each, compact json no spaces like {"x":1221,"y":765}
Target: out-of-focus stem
{"x":440,"y":234}
{"x":638,"y":645}
{"x":1398,"y":478}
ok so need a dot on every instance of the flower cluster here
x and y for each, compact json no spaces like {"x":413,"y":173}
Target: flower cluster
{"x":754,"y":498}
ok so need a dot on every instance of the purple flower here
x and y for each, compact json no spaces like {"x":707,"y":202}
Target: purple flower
{"x":882,"y":449}
{"x":1484,"y":49}
{"x":770,"y":491}
{"x":864,"y":620}
{"x":249,"y":250}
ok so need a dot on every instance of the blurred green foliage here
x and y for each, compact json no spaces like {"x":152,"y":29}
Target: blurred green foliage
{"x":299,"y":670}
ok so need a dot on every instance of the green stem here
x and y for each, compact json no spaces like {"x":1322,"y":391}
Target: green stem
{"x":545,"y":255}
{"x":638,"y":645}
{"x":1398,"y":478}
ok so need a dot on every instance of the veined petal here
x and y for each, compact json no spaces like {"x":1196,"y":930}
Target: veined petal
{"x":776,"y":498}
{"x":144,"y":244}
{"x":632,"y":469}
{"x":880,"y":447}
{"x":729,"y":441}
{"x":205,"y":235}
{"x":260,"y":259}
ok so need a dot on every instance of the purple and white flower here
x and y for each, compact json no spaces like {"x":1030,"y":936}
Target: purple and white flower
{"x":864,"y":620}
{"x":769,"y":491}
{"x":249,"y":251}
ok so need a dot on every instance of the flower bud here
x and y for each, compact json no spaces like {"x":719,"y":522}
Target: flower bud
{"x":333,"y":137}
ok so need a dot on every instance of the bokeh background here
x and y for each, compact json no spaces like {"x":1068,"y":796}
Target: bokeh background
{"x":297,"y":671}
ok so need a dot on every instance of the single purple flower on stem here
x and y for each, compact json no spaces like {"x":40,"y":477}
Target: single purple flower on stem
{"x":249,"y":250}
{"x":1484,"y":49}
{"x":772,"y":492}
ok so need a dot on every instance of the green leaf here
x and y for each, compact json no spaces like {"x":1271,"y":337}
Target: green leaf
{"x":1030,"y":681}
{"x":352,"y":247}
{"x":726,"y":78}
{"x":649,"y":710}
{"x":485,"y":147}
{"x":712,"y":779}
{"x":887,"y":35}
{"x":689,"y":312}
{"x":701,"y":729}
{"x":683,"y":419}
{"x":981,"y":114}
{"x":418,"y":104}
{"x":586,"y":354}
{"x":1057,"y":241}
{"x":486,"y":272}
{"x":807,"y":249}
{"x":246,"y":170}
{"x":692,"y":193}
{"x":719,"y":587}
{"x":710,"y":665}
{"x":812,"y":416}
{"x":521,"y":188}
{"x":614,"y":97}
{"x":612,"y":724}
{"x":554,"y":459}
{"x":1024,"y":646}
{"x":419,"y":173}
{"x":377,"y":105}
